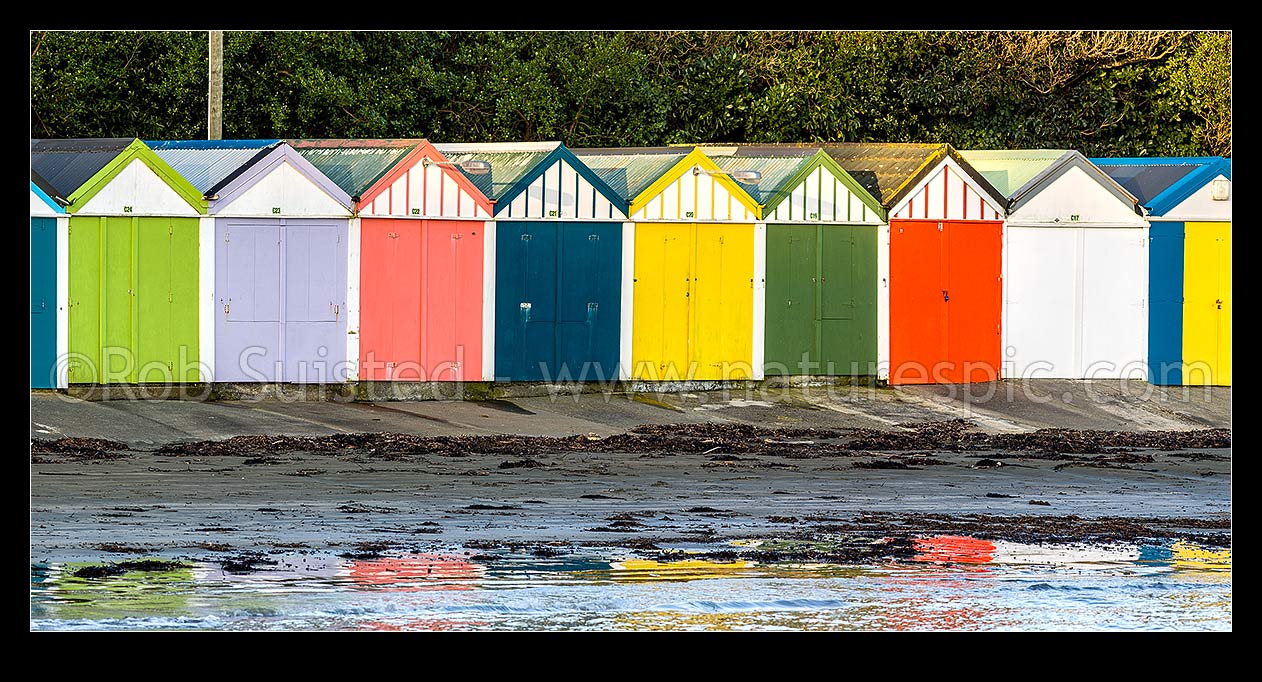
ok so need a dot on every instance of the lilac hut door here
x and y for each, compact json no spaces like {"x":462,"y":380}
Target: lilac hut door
{"x":247,"y":320}
{"x":314,"y":274}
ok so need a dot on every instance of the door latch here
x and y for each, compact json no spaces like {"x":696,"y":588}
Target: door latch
{"x":1219,"y":302}
{"x":945,"y":296}
{"x":337,"y":310}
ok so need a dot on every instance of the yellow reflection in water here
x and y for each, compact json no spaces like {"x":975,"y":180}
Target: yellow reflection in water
{"x":687,"y":569}
{"x":1184,"y":554}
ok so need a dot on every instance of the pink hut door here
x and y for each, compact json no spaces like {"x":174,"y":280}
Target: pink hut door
{"x":451,"y":304}
{"x":390,"y":300}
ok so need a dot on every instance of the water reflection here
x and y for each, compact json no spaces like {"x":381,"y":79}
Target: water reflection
{"x":62,"y":595}
{"x":953,"y":583}
{"x":416,"y":573}
{"x":648,"y":570}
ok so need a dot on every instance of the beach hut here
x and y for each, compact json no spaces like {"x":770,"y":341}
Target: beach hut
{"x":1075,"y":284}
{"x":48,"y":284}
{"x":822,"y":267}
{"x":280,"y":235}
{"x":1188,"y":200}
{"x":558,"y":255}
{"x":133,"y":261}
{"x":422,"y":305}
{"x":945,"y":259}
{"x":697,"y":280}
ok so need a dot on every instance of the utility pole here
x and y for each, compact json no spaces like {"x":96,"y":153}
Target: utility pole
{"x":214,"y":104}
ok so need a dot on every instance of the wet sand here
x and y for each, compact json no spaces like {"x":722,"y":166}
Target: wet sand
{"x":667,"y":486}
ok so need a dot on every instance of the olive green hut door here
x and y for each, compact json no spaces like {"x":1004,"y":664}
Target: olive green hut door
{"x":133,"y":300}
{"x":821,"y":300}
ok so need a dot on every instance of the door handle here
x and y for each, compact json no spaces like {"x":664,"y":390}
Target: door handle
{"x":945,"y":296}
{"x":1219,"y":302}
{"x":524,"y":311}
{"x":226,"y":307}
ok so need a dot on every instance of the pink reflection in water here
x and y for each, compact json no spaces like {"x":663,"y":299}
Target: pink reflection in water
{"x":417,"y":572}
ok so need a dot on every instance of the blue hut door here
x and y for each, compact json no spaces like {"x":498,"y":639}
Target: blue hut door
{"x":557,"y":301}
{"x":1165,"y":303}
{"x":589,"y":301}
{"x":525,"y":301}
{"x":43,"y":302}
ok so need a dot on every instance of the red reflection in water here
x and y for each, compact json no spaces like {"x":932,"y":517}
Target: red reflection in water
{"x":954,"y":548}
{"x":924,"y":599}
{"x":417,"y":572}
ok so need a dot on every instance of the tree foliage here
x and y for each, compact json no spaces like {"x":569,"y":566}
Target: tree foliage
{"x":1104,"y":93}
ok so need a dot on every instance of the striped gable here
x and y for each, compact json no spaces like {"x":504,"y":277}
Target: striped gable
{"x":425,"y":184}
{"x":948,"y":193}
{"x":686,"y":194}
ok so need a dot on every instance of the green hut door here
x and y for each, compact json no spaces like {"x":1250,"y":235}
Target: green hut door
{"x":821,"y":300}
{"x":133,"y":300}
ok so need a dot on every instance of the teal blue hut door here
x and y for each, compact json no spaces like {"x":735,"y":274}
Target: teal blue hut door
{"x":43,"y":302}
{"x":557,"y":301}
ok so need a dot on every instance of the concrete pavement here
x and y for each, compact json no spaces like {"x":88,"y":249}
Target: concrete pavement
{"x":1009,"y":405}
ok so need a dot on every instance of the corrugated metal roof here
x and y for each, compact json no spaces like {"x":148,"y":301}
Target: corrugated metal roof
{"x":46,"y":188}
{"x":1162,"y":183}
{"x":776,"y":170}
{"x":1146,"y":182}
{"x":205,"y":163}
{"x":887,"y":170}
{"x":630,"y":170}
{"x":66,"y":164}
{"x":1010,"y":169}
{"x":354,"y":165}
{"x":510,"y":162}
{"x":883,"y":168}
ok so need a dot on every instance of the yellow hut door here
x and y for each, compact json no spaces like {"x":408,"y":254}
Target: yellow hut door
{"x":661,"y":303}
{"x":1207,"y":304}
{"x":723,"y":289}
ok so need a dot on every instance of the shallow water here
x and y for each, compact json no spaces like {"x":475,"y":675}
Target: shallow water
{"x":953,"y":584}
